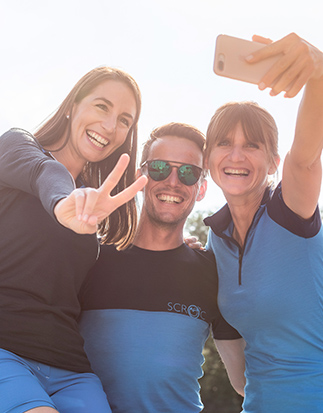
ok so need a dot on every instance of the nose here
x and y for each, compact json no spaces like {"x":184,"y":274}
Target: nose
{"x":109,"y":123}
{"x":172,"y":179}
{"x":236,"y":154}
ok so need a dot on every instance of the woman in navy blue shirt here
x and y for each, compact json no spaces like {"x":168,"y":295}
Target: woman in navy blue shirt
{"x":55,"y":193}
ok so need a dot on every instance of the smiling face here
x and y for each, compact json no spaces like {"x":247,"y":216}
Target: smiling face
{"x":169,"y":202}
{"x":240,"y":167}
{"x":100,"y":122}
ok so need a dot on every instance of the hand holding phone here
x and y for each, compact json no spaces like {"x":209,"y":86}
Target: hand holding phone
{"x":230,"y":55}
{"x":299,"y":61}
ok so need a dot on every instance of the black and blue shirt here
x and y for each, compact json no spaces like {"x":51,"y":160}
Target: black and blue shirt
{"x":146,"y":316}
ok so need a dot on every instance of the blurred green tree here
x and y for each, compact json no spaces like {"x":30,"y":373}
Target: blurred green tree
{"x":217,"y":393}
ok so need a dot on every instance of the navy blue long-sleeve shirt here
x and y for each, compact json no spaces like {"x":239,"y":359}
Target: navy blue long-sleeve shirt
{"x":42,"y":263}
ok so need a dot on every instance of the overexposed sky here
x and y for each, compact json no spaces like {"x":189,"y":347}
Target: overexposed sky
{"x":166,"y":45}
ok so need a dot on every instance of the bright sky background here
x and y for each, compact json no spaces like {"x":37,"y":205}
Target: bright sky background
{"x":166,"y":45}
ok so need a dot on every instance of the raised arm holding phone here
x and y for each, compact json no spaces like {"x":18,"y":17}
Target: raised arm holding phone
{"x":268,"y":241}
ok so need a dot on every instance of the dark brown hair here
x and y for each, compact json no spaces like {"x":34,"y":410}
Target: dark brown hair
{"x":120,"y":226}
{"x":180,"y":130}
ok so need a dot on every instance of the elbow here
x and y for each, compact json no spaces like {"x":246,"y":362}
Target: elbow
{"x":239,"y":386}
{"x":240,"y":390}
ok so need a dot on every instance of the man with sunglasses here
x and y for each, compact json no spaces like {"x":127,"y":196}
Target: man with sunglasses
{"x":148,"y":310}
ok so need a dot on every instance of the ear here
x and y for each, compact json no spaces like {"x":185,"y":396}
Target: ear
{"x":274,"y":166}
{"x":202,"y":190}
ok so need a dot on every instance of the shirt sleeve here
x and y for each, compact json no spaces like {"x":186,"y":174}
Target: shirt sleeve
{"x":221,"y":330}
{"x":286,"y":218}
{"x":24,"y":166}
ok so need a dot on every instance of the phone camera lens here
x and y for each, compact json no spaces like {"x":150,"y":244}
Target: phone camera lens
{"x":221,"y":62}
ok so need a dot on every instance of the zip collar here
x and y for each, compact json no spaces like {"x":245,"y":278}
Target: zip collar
{"x":220,"y":221}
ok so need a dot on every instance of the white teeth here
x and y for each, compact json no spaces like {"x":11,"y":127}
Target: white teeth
{"x":99,"y":145}
{"x":230,"y":171}
{"x":96,"y":139}
{"x":169,"y":199}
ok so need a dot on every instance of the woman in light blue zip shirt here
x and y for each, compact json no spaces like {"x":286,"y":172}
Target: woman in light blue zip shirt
{"x":268,"y":241}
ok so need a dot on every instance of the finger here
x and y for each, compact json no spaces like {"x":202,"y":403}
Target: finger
{"x":293,"y":79}
{"x":190,"y":240}
{"x":281,"y":46}
{"x":91,"y":196}
{"x":93,"y":221}
{"x":79,"y":200}
{"x":197,"y":245}
{"x":269,"y":50}
{"x":260,"y":39}
{"x":291,"y":72}
{"x":85,"y":228}
{"x":282,"y":74}
{"x":294,"y":89}
{"x":193,"y":243}
{"x":128,"y":193}
{"x":114,"y":177}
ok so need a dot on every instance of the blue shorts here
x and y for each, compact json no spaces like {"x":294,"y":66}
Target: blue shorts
{"x":26,"y":384}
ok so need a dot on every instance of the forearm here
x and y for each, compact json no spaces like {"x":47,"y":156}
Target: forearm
{"x":25,"y":167}
{"x":232,"y":355}
{"x":308,"y":142}
{"x":302,"y":172}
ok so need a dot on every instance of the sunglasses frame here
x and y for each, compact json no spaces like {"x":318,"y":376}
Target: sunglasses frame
{"x":146,"y":163}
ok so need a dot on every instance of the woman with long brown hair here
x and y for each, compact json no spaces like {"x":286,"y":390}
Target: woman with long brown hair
{"x":57,"y":188}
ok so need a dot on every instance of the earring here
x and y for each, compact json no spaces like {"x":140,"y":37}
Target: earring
{"x":67,"y":116}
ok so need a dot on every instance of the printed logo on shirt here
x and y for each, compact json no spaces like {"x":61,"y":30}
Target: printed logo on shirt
{"x":192,"y":310}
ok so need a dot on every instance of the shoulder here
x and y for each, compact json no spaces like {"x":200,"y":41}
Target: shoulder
{"x":15,"y":134}
{"x":201,"y":259}
{"x":18,"y":139}
{"x":135,"y":255}
{"x":110,"y":255}
{"x":108,"y":252}
{"x":205,"y":256}
{"x":219,"y":221}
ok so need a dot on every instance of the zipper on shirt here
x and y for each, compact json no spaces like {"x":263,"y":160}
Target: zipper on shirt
{"x":241,"y":251}
{"x":240,"y":265}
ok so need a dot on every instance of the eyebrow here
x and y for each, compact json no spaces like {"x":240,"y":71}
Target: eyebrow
{"x":109,"y":103}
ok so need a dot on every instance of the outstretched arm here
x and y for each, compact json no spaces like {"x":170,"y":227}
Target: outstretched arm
{"x":232,"y":355}
{"x":84,"y":208}
{"x":300,"y":64}
{"x":302,"y":173}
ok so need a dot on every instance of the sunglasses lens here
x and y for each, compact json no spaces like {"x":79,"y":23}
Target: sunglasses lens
{"x":159,"y":170}
{"x":189,"y":174}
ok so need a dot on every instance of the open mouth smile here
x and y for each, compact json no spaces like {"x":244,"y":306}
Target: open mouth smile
{"x":236,"y":172}
{"x":97,"y":139}
{"x":170,"y":199}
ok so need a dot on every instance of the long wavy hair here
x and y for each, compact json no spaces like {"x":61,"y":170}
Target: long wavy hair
{"x":119,"y":228}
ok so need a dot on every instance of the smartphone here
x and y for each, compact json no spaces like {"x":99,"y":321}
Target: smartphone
{"x":229,"y":59}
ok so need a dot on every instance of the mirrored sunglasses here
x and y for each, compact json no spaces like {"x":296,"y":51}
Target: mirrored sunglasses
{"x":159,"y":170}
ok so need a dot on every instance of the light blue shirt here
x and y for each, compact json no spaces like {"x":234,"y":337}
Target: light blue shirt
{"x":271,"y":291}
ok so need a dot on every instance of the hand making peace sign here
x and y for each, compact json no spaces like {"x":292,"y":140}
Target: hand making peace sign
{"x":85,"y":208}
